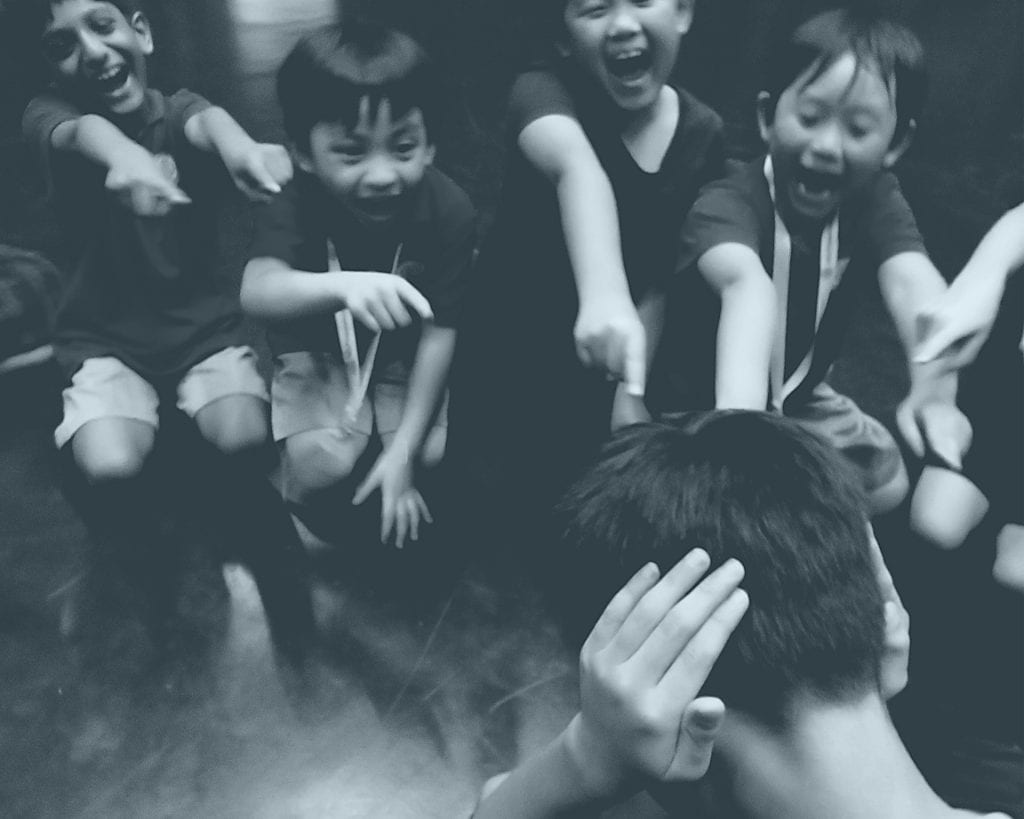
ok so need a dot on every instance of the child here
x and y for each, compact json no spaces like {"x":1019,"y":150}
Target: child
{"x":369,"y":228}
{"x":138,"y":178}
{"x":947,"y":504}
{"x":605,"y":158}
{"x":843,"y":94}
{"x":802,"y":728}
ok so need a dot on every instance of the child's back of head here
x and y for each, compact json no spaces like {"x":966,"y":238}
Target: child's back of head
{"x":758,"y":488}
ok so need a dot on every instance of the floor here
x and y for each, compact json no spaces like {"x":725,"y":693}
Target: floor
{"x":421,"y":688}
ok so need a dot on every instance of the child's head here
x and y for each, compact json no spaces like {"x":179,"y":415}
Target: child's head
{"x":357,"y":101}
{"x":628,"y":47}
{"x":758,"y":488}
{"x":840,"y":105}
{"x":97,"y":51}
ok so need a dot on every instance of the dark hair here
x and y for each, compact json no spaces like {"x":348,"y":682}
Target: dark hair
{"x":877,"y":43}
{"x":31,"y":16}
{"x":332,"y":68}
{"x":759,"y":488}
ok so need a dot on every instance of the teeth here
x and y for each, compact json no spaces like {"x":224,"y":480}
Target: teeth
{"x":627,"y":55}
{"x":110,"y":73}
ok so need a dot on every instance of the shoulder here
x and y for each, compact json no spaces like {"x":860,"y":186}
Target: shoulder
{"x":538,"y":93}
{"x":44,"y":112}
{"x":183,"y":103}
{"x":743,"y":190}
{"x":697,"y":116}
{"x":442,"y":200}
{"x":736,"y":208}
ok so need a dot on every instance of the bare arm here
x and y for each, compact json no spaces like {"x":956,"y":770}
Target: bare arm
{"x":259,"y":170}
{"x":608,"y":331}
{"x":133,"y":175}
{"x":426,"y":387}
{"x":746,"y":326}
{"x":272,"y":290}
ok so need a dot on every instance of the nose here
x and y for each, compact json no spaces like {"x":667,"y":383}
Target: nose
{"x":623,"y":22}
{"x":827,"y":142}
{"x":93,"y":49}
{"x":381,"y":176}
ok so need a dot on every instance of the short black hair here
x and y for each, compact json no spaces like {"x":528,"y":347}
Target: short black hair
{"x":331,"y":69}
{"x":877,"y":42}
{"x":31,"y":16}
{"x":759,"y":488}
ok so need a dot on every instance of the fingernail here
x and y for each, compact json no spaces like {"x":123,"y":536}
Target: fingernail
{"x":698,"y":557}
{"x":733,"y":567}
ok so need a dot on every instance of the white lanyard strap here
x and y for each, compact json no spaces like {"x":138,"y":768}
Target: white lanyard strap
{"x":358,"y":376}
{"x":829,"y":276}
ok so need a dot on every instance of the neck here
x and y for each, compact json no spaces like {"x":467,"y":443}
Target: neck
{"x":845,"y":762}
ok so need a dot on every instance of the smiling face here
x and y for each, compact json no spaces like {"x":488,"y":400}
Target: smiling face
{"x":99,"y":54}
{"x":372,"y":167}
{"x":628,"y":46}
{"x":830,"y":136}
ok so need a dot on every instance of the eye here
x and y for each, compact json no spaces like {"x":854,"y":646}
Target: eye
{"x":58,"y":46}
{"x":103,"y":24}
{"x":809,"y":117}
{"x":405,"y":148}
{"x":348,"y":152}
{"x":591,"y":8}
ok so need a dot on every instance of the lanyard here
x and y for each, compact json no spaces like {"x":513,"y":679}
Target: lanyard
{"x":831,"y":272}
{"x":358,"y":375}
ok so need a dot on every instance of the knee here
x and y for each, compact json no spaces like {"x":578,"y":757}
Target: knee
{"x":946,"y":507}
{"x":236,"y":429}
{"x":320,"y":460}
{"x":434,"y":447}
{"x":937,"y":525}
{"x":115,"y":462}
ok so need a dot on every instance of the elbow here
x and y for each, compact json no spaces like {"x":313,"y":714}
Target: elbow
{"x":250,"y":295}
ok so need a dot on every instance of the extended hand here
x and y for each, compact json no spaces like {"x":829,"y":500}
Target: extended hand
{"x":261,"y":171}
{"x":381,"y":301}
{"x":143,"y":185}
{"x":609,"y":335}
{"x":402,"y":507}
{"x":956,"y":325}
{"x":641,"y":669}
{"x":939,"y":425}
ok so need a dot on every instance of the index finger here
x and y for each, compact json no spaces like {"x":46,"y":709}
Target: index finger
{"x":635,"y":364}
{"x":688,"y":673}
{"x":415,"y":299}
{"x":619,"y":607}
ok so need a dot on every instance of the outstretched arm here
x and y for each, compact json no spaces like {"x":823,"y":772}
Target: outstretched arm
{"x":273,"y":290}
{"x":928,"y":416}
{"x":641,"y":719}
{"x":402,"y":506}
{"x":608,"y":331}
{"x":259,"y":170}
{"x":958,"y":321}
{"x":134,"y":176}
{"x":746,"y":325}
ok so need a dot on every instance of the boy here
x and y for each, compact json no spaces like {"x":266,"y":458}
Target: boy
{"x":138,"y":178}
{"x":806,"y":732}
{"x":843,"y":95}
{"x":605,"y":159}
{"x":367,"y":224}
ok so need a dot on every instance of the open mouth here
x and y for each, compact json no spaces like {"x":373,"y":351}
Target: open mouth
{"x":817,"y":188}
{"x":629,"y":66}
{"x":113,"y":79}
{"x":380,"y":208}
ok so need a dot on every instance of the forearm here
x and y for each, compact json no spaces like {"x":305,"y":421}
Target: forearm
{"x":907,"y":281}
{"x":746,"y":329}
{"x":427,"y":382}
{"x":591,"y":229}
{"x":94,"y":138}
{"x":271,"y":290}
{"x":215,"y":130}
{"x":999,"y":254}
{"x":652,"y":315}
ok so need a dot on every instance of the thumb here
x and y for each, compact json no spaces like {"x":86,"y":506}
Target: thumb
{"x":365,"y":488}
{"x":702,"y":720}
{"x":635,"y":365}
{"x":264,"y":178}
{"x":176,"y":196}
{"x":935,"y":344}
{"x":906,"y":420}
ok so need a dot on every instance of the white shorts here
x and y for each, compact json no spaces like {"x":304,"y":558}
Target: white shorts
{"x":311,"y":390}
{"x":106,"y":387}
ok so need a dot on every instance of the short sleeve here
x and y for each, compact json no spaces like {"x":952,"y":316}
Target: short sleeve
{"x":454,"y":261}
{"x":277,"y":227}
{"x":182,"y":105}
{"x":889,"y":224}
{"x":43,"y":114}
{"x":723,"y":213}
{"x":536,"y":94}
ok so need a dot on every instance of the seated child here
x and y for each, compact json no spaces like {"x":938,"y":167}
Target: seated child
{"x":947,"y":504}
{"x":369,"y":230}
{"x":802,"y":686}
{"x":148,"y":319}
{"x":605,"y":157}
{"x":839,"y":110}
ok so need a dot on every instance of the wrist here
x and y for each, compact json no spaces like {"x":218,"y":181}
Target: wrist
{"x":597,"y":770}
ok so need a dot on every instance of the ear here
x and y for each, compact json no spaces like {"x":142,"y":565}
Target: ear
{"x":898,"y":148}
{"x":684,"y":16}
{"x":430,"y":152}
{"x":765,"y":115}
{"x":140,"y":25}
{"x":301,"y":158}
